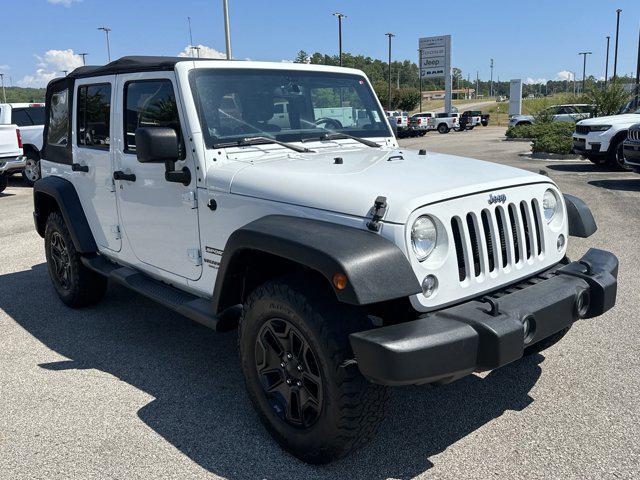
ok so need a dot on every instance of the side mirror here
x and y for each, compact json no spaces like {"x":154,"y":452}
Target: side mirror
{"x":156,"y":144}
{"x":160,"y":144}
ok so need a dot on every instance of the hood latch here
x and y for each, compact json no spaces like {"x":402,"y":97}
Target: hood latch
{"x":379,"y":209}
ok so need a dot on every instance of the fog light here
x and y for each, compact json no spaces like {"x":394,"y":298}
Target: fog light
{"x":560,"y":242}
{"x":583,"y":300}
{"x":429,"y":286}
{"x":529,"y":327}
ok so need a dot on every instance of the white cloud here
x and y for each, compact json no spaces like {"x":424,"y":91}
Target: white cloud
{"x":50,"y":66}
{"x":535,"y":81}
{"x":4,"y":68}
{"x":203,"y":51}
{"x":66,"y":3}
{"x":564,"y":75}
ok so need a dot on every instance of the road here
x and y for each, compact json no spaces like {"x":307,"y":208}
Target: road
{"x":468,"y":106}
{"x":130,"y":390}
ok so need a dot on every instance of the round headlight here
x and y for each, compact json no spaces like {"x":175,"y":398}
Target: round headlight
{"x":550,"y":205}
{"x":424,"y":236}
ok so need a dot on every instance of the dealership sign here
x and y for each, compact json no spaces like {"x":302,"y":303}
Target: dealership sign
{"x":435,"y":56}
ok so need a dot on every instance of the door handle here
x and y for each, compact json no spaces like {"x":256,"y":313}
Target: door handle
{"x":76,"y":167}
{"x":120,"y":175}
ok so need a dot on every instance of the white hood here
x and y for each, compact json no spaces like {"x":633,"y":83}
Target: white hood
{"x":627,"y":118}
{"x":408,"y":181}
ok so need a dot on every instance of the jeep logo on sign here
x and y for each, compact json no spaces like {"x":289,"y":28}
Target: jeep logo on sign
{"x":497,"y":198}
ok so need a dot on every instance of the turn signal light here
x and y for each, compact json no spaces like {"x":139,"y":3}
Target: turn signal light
{"x":339,"y":281}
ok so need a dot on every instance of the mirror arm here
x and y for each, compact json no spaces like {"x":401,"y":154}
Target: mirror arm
{"x":171,"y":175}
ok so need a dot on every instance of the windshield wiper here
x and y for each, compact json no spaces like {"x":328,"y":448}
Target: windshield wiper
{"x":341,"y":136}
{"x":248,"y":141}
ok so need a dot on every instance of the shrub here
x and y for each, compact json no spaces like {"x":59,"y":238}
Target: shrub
{"x":537,"y":130}
{"x":608,"y":101}
{"x":552,"y":143}
{"x":520,"y":131}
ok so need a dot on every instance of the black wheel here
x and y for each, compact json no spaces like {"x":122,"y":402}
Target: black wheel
{"x":443,"y":128}
{"x":31,"y":171}
{"x":423,"y":133}
{"x":615,"y":157}
{"x":76,"y":285}
{"x":298,"y":370}
{"x":546,"y":343}
{"x":3,"y":182}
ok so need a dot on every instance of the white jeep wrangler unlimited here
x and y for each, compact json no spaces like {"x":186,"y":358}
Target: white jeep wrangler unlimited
{"x":348,"y":264}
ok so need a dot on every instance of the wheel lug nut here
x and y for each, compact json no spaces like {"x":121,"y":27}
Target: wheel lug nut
{"x":288,"y":381}
{"x":299,"y":383}
{"x":282,"y":364}
{"x":289,"y":356}
{"x":299,"y":368}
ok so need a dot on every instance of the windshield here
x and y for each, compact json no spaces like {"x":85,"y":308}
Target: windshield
{"x":287,"y":105}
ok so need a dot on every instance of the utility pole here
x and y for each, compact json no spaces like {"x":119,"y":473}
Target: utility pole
{"x":4,"y":94}
{"x":491,"y":84}
{"x":638,"y":72}
{"x":83,"y":55}
{"x":390,"y":35}
{"x":573,"y":75}
{"x":420,"y":74}
{"x":477,"y":83}
{"x":468,"y":85}
{"x":190,"y":36}
{"x":106,"y":31}
{"x":227,"y":33}
{"x":615,"y":50}
{"x":340,"y":17}
{"x":584,"y":68}
{"x":606,"y":66}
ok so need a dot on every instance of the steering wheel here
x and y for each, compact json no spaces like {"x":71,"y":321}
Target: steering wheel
{"x":329,"y":123}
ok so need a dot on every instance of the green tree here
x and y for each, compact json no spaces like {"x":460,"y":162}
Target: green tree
{"x":302,"y":57}
{"x":407,"y":98}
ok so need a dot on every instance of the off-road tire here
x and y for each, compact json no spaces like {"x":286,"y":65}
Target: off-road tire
{"x":351,"y":407}
{"x":4,"y":181}
{"x":442,"y":128}
{"x":31,"y":173}
{"x":78,"y":286}
{"x":615,"y":156}
{"x":548,"y":342}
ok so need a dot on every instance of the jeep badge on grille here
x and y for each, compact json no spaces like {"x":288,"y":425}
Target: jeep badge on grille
{"x":497,"y":198}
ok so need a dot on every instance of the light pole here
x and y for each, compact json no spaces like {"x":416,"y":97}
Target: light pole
{"x":584,"y":68}
{"x":491,"y":84}
{"x":106,"y":31}
{"x":196,"y":48}
{"x":227,"y":33}
{"x":420,"y":74}
{"x":606,"y":66}
{"x":4,"y":94}
{"x":64,"y":72}
{"x":638,"y":72}
{"x":190,"y":36}
{"x":573,"y":75}
{"x":83,"y":55}
{"x":390,"y":35}
{"x":340,"y":17}
{"x":615,"y":50}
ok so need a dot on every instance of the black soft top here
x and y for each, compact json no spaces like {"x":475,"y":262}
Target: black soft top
{"x":131,"y":64}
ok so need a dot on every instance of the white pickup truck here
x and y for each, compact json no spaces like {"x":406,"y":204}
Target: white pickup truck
{"x":11,"y":157}
{"x":29,"y":118}
{"x":444,"y":122}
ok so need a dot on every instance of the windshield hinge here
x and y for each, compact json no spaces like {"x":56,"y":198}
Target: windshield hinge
{"x":189,"y":198}
{"x":115,"y":231}
{"x":379,"y":209}
{"x":195,"y":256}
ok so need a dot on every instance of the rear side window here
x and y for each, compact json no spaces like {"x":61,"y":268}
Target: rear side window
{"x":149,"y":103}
{"x":59,"y":119}
{"x":93,"y":116}
{"x":36,"y":114}
{"x":20,"y":117}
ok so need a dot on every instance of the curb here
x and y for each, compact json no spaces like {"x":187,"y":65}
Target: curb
{"x":555,"y":156}
{"x":529,"y":140}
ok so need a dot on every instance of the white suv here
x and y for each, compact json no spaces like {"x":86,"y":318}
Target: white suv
{"x":346,"y":263}
{"x":559,"y":113}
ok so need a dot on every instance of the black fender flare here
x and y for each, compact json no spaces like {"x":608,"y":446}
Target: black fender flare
{"x":376,"y":269}
{"x":64,"y":195}
{"x":581,"y":221}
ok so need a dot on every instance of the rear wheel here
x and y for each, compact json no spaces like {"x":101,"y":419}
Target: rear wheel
{"x":75,"y":284}
{"x":615,"y":157}
{"x":299,"y":371}
{"x":31,"y":172}
{"x":443,"y":128}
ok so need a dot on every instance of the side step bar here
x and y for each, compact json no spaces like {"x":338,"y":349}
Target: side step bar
{"x":195,"y":308}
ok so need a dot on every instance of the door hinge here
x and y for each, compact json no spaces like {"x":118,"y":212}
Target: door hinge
{"x":195,"y":256}
{"x":189,"y":198}
{"x":115,"y":230}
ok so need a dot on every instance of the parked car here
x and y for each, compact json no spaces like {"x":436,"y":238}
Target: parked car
{"x":631,"y":148}
{"x":419,"y":123}
{"x":29,"y":117}
{"x":559,"y":113}
{"x":11,"y":154}
{"x":484,"y":117}
{"x":346,"y":263}
{"x":402,"y":123}
{"x":444,"y":122}
{"x":470,"y":120}
{"x":601,"y":139}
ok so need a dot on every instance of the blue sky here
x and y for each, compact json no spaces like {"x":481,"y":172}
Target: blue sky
{"x":528,"y":39}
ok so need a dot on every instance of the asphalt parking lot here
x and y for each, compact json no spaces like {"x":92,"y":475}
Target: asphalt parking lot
{"x":130,"y":390}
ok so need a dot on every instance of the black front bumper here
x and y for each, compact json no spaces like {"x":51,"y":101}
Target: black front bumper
{"x":488,"y":332}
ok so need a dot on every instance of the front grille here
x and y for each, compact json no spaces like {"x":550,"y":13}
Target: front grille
{"x":634,"y":135}
{"x":582,"y":129}
{"x":498,"y":239}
